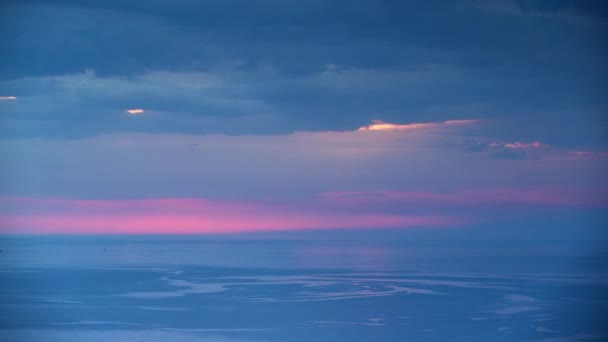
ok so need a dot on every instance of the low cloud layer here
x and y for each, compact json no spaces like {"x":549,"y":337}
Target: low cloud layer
{"x":425,"y":175}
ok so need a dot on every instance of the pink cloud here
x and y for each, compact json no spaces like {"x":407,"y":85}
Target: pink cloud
{"x":518,"y":144}
{"x":332,"y":210}
{"x":582,"y":153}
{"x":186,"y":215}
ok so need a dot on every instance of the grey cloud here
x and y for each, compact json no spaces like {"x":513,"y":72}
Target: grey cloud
{"x":260,"y":67}
{"x":231,"y":99}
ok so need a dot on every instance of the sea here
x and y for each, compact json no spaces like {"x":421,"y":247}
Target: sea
{"x":342,"y":287}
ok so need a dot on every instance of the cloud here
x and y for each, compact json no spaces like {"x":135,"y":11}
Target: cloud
{"x":231,"y":99}
{"x":510,"y":150}
{"x":6,"y":98}
{"x":187,"y":216}
{"x":379,"y":125}
{"x":518,"y":144}
{"x":271,"y":68}
{"x":135,"y":111}
{"x":589,"y":154}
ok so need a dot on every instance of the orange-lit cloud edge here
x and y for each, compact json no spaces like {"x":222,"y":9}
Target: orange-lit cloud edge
{"x":383,"y":126}
{"x":379,"y":125}
{"x":135,"y":111}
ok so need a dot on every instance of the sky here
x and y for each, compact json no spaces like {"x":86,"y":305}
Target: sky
{"x":239,"y":116}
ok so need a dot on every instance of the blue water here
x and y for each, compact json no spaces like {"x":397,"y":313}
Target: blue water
{"x":197,"y":288}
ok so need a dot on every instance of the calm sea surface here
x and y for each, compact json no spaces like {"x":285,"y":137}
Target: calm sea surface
{"x":197,"y":288}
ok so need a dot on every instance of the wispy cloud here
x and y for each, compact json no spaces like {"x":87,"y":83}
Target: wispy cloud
{"x":518,"y":144}
{"x":589,"y":154}
{"x":7,"y":98}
